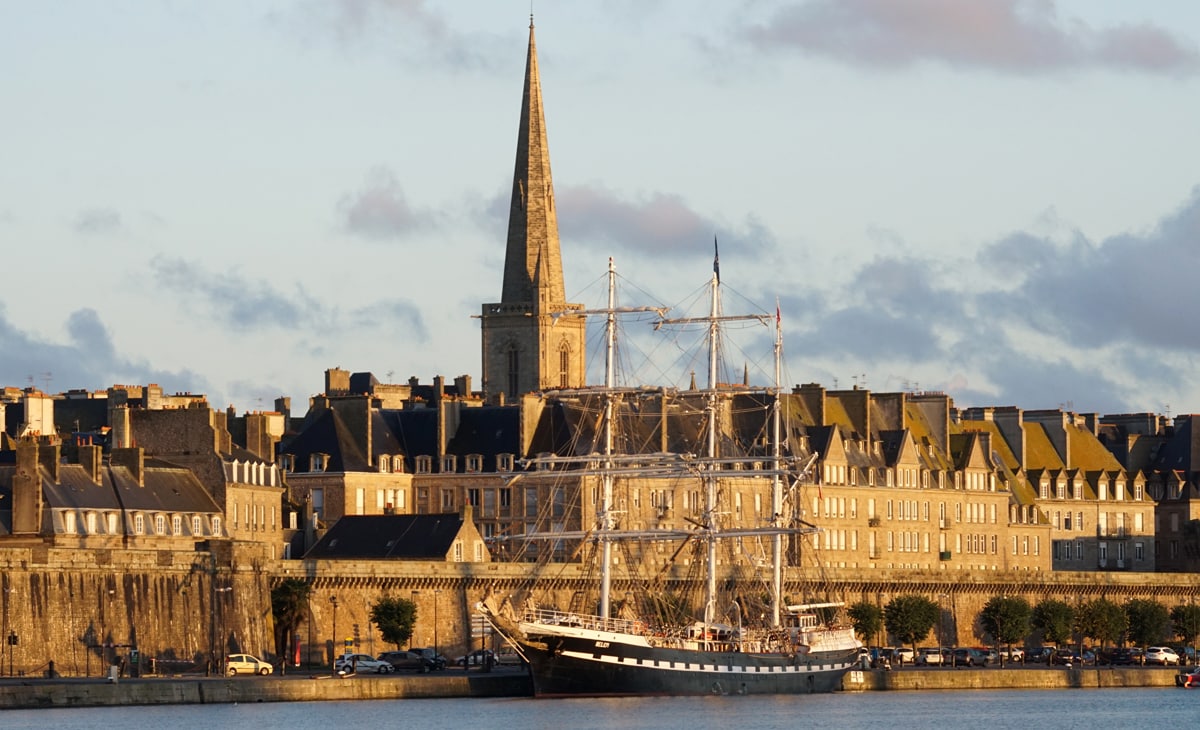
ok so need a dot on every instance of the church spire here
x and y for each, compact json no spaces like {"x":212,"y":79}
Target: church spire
{"x":532,"y":339}
{"x":532,"y":218}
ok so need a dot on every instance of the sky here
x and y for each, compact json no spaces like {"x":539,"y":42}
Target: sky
{"x":996,"y":199}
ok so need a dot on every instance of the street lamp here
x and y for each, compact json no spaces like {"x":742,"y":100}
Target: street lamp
{"x":224,"y":638}
{"x":414,"y":601}
{"x":436,"y":593}
{"x":333,"y":600}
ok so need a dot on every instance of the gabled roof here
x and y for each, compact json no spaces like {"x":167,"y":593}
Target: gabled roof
{"x":327,"y":434}
{"x":413,"y":537}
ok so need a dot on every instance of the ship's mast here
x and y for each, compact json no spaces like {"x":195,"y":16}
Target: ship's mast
{"x":710,"y":497}
{"x":610,"y":346}
{"x":777,"y":482}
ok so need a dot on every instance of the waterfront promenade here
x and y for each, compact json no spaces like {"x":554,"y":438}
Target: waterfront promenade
{"x":35,"y":693}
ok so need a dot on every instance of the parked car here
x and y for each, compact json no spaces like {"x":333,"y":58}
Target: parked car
{"x":1116,"y":657}
{"x":931,"y":656}
{"x":970,"y":657}
{"x":1015,"y":654}
{"x":436,"y":661}
{"x":246,"y":664}
{"x":364,"y":663}
{"x":1065,"y":657}
{"x":477,"y":658}
{"x":508,"y":657}
{"x":407,"y":661}
{"x":1040,"y":655}
{"x":905,"y":655}
{"x":1162,"y":655}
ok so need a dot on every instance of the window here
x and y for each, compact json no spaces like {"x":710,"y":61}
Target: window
{"x":216,"y":523}
{"x":447,"y":500}
{"x":139,"y":524}
{"x":91,"y":523}
{"x":160,"y":525}
{"x":473,"y":498}
{"x":474,"y":463}
{"x":424,"y":464}
{"x":504,"y":462}
{"x":478,"y":552}
{"x":197,"y":525}
{"x":458,"y":551}
{"x":111,"y":518}
{"x":1139,"y":551}
{"x":176,"y":524}
{"x":564,"y":366}
{"x":69,"y":522}
{"x":449,"y":464}
{"x":385,"y":464}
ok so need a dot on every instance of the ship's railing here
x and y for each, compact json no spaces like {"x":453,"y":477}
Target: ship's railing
{"x":584,"y":621}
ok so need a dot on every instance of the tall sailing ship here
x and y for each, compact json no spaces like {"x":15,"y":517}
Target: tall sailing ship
{"x":740,"y":636}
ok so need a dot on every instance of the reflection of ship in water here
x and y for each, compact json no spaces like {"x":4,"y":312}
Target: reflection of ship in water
{"x":739,"y":637}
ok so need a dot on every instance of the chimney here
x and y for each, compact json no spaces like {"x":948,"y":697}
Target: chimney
{"x":91,"y":458}
{"x":132,"y":459}
{"x":122,"y":429}
{"x":27,"y":490}
{"x":48,"y":457}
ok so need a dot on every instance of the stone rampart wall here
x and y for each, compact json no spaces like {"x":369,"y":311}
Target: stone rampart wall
{"x":83,"y":608}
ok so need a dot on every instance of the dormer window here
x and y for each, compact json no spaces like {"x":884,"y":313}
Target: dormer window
{"x":287,"y":462}
{"x":474,"y":463}
{"x":385,"y":464}
{"x":504,"y":462}
{"x":424,"y":464}
{"x":449,"y":464}
{"x":318,"y":462}
{"x":398,"y":464}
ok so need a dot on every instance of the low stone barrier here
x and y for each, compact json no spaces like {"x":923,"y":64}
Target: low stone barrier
{"x":994,"y":678}
{"x":95,"y":692}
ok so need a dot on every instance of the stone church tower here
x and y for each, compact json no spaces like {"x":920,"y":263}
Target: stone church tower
{"x":531,"y":339}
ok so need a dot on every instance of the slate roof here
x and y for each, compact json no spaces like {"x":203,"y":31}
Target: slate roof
{"x":366,"y":537}
{"x":327,"y":434}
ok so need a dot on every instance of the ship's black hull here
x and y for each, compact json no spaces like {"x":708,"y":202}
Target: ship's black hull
{"x":576,"y":666}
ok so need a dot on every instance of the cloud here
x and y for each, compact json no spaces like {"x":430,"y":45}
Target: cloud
{"x":659,"y":224}
{"x":98,"y":220}
{"x":405,"y":27}
{"x":86,"y":359}
{"x":379,"y":210}
{"x":245,"y":305}
{"x":1113,"y":292}
{"x":1011,"y":36}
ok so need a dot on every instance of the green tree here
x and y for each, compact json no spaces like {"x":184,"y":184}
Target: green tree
{"x":910,"y":618}
{"x":395,"y":618}
{"x":1102,"y":620}
{"x":1185,"y":618}
{"x":1006,"y":620}
{"x":867,"y":619}
{"x":289,"y":606}
{"x":1054,"y":619}
{"x":1148,"y":621}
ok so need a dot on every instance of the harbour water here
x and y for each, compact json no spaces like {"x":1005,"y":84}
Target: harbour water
{"x":979,"y":708}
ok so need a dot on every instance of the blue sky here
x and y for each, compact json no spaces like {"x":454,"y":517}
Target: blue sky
{"x":998,"y":199}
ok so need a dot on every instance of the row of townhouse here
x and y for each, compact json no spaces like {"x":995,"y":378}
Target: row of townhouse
{"x":130,"y":466}
{"x":901,"y":481}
